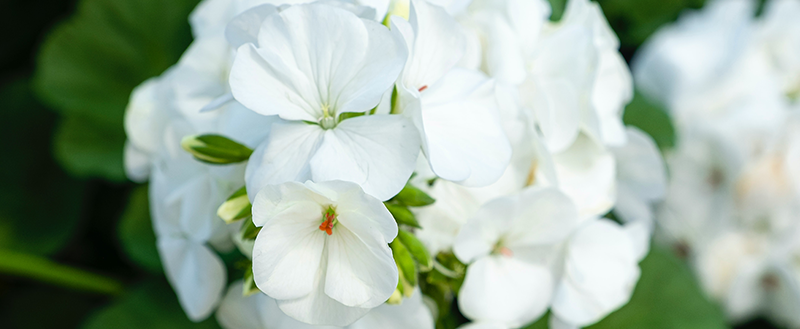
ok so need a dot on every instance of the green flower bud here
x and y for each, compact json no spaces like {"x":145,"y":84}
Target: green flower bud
{"x":417,"y":250}
{"x":236,"y":207}
{"x":402,"y":215}
{"x":215,"y":149}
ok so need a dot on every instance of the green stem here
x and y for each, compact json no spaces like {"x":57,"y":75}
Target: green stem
{"x":42,"y":269}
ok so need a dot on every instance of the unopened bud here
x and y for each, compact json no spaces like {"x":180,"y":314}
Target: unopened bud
{"x":236,"y":207}
{"x":215,"y":149}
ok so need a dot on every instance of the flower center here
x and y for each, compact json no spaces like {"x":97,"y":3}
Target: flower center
{"x":328,"y":220}
{"x":500,"y":249}
{"x":328,"y":120}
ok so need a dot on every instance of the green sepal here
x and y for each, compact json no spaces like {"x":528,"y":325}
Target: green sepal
{"x":405,"y":262}
{"x":236,"y":207}
{"x":417,"y":250}
{"x":348,"y":115}
{"x":249,"y":230}
{"x":402,"y":215}
{"x":249,"y":287}
{"x":215,"y":149}
{"x":413,"y":197}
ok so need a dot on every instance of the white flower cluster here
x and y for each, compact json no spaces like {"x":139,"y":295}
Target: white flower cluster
{"x":731,"y":81}
{"x":301,"y":124}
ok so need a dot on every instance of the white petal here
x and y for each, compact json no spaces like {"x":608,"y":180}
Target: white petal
{"x":361,"y":212}
{"x":290,"y":201}
{"x":318,"y":308}
{"x":505,"y":290}
{"x":284,"y":156}
{"x":600,"y":273}
{"x":137,"y":163}
{"x":244,"y":27}
{"x":195,"y":272}
{"x":465,"y":140}
{"x":257,"y":311}
{"x":613,"y":89}
{"x":543,"y":216}
{"x":378,"y":152}
{"x":361,"y":271}
{"x":640,"y":167}
{"x":287,"y":254}
{"x":437,"y":44}
{"x":411,"y":313}
{"x":479,"y":235}
{"x":586,"y":173}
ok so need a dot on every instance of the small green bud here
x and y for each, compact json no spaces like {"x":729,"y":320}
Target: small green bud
{"x":236,"y":207}
{"x":417,"y":250}
{"x":402,"y":215}
{"x":249,"y":231}
{"x":397,"y":296}
{"x":413,"y":197}
{"x":405,"y":263}
{"x":215,"y":149}
{"x":249,"y":287}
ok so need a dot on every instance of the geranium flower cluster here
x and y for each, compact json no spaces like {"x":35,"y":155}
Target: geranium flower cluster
{"x":730,"y":79}
{"x":365,"y":156}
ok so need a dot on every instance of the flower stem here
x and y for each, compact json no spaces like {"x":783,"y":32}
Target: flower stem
{"x":42,"y":269}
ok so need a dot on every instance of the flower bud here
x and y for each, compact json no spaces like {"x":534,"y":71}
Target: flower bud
{"x":236,"y":207}
{"x":417,"y":250}
{"x":215,"y":149}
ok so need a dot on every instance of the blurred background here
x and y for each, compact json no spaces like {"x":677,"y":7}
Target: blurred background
{"x":77,"y":248}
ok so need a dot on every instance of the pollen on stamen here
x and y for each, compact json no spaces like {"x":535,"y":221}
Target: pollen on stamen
{"x":506,"y":252}
{"x":423,"y":88}
{"x":327,"y":225}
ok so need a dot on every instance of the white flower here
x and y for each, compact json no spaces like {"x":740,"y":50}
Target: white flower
{"x":509,"y":244}
{"x":322,"y":251}
{"x":314,"y":63}
{"x":454,"y":109}
{"x":641,"y":176}
{"x":259,"y":311}
{"x":781,"y":37}
{"x":599,"y":273}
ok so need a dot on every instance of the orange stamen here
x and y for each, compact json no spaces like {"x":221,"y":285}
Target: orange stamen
{"x":423,"y":88}
{"x":327,"y":225}
{"x":506,"y":252}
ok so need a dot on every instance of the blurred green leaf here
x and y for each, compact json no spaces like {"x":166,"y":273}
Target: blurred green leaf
{"x":42,"y":269}
{"x":413,"y":197}
{"x":651,"y":119}
{"x":402,"y":215}
{"x":635,"y":20}
{"x":87,"y":149}
{"x":89,"y":64}
{"x":152,"y":305}
{"x":40,"y":205}
{"x":405,"y":263}
{"x":136,"y":234}
{"x":558,"y":9}
{"x":666,"y":297}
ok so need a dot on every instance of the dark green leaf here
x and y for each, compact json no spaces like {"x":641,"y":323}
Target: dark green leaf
{"x":136,"y":232}
{"x":405,"y":263}
{"x":348,"y":115}
{"x":152,"y":305}
{"x":416,"y":249}
{"x":402,"y":215}
{"x":249,"y":231}
{"x":413,"y":197}
{"x":651,"y":119}
{"x":215,"y":149}
{"x":88,"y":149}
{"x":249,"y":286}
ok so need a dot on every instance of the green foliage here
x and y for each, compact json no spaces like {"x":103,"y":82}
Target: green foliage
{"x":151,"y":305}
{"x":666,"y":297}
{"x":651,"y":119}
{"x":136,"y":234}
{"x":215,"y":149}
{"x":236,"y":207}
{"x":405,"y":262}
{"x":411,"y":196}
{"x":89,"y":64}
{"x":635,"y":20}
{"x":40,"y":206}
{"x":402,"y":215}
{"x":415,"y":247}
{"x":83,"y":147}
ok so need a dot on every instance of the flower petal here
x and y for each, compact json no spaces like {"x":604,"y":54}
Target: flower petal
{"x":505,"y":290}
{"x":378,"y":152}
{"x":195,"y":272}
{"x":412,"y":313}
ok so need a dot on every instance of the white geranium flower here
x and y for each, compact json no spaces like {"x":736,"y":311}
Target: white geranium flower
{"x":599,"y":273}
{"x":454,"y":109}
{"x":259,"y":311}
{"x":508,"y":245}
{"x":781,"y":36}
{"x":641,"y":176}
{"x":312,"y":64}
{"x":322,"y":251}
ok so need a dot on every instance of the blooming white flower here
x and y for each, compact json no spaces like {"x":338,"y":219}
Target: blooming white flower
{"x":508,"y":244}
{"x":454,"y":109}
{"x":322,"y":251}
{"x":352,"y":63}
{"x":259,"y":311}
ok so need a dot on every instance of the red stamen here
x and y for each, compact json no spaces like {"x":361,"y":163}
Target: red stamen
{"x":506,"y":252}
{"x":423,"y":88}
{"x":327,"y":225}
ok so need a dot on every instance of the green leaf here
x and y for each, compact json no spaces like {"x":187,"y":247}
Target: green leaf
{"x":42,"y":269}
{"x":136,"y":234}
{"x":404,"y":261}
{"x":249,"y":286}
{"x":348,"y":115}
{"x":236,"y":207}
{"x":635,"y":20}
{"x":89,"y":64}
{"x":413,"y":197}
{"x":151,"y":305}
{"x":651,"y":119}
{"x":40,"y":205}
{"x":402,"y":215}
{"x":215,"y":149}
{"x":249,"y":230}
{"x":417,"y":250}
